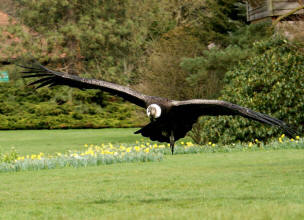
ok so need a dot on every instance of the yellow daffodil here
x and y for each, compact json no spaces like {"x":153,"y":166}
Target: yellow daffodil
{"x":189,"y":144}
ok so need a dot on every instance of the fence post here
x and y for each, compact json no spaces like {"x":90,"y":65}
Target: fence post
{"x":270,"y":7}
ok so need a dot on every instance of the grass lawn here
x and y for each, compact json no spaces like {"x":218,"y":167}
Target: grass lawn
{"x":50,"y":141}
{"x":236,"y":185}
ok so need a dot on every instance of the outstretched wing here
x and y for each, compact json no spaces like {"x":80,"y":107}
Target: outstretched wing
{"x":197,"y":107}
{"x":52,"y":78}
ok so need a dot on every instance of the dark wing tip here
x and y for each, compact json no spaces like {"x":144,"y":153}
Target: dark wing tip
{"x":290,"y":132}
{"x":35,"y":75}
{"x":34,"y":70}
{"x":31,"y":67}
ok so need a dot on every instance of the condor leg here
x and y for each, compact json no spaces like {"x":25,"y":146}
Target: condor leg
{"x":172,"y":142}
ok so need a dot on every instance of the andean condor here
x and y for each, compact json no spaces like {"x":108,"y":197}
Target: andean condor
{"x":170,"y":119}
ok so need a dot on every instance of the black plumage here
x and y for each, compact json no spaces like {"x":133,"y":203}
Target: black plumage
{"x":176,"y":117}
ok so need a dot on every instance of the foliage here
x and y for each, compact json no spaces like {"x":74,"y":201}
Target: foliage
{"x":159,"y":46}
{"x":105,"y":40}
{"x":115,"y":41}
{"x":270,"y":82}
{"x":9,"y":157}
{"x":206,"y":72}
{"x":218,"y":19}
{"x":24,"y":108}
{"x":165,"y":70}
{"x":161,"y":74}
{"x":101,"y":38}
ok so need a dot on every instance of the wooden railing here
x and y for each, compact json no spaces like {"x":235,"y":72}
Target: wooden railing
{"x":270,"y":8}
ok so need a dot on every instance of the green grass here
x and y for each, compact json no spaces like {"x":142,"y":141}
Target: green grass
{"x":236,"y":185}
{"x":242,"y":185}
{"x":51,"y":141}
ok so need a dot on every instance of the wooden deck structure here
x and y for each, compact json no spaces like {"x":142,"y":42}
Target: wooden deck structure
{"x":270,"y":9}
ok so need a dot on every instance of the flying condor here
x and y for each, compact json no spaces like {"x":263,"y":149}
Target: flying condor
{"x":170,"y":120}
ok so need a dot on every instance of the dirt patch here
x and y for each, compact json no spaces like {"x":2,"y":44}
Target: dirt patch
{"x":293,"y":30}
{"x":4,"y":19}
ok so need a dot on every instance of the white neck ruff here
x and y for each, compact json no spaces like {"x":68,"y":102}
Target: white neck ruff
{"x":158,"y":110}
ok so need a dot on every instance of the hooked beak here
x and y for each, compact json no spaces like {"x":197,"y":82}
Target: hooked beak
{"x":151,"y":113}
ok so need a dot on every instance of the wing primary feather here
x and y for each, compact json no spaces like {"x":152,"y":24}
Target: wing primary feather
{"x":42,"y":80}
{"x":32,"y":71}
{"x":27,"y":67}
{"x":44,"y":84}
{"x":267,"y":120}
{"x":36,"y":75}
{"x":60,"y":78}
{"x":53,"y":84}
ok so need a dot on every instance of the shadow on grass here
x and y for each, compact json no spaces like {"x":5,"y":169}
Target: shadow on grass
{"x":255,"y":198}
{"x":147,"y":201}
{"x":154,"y":200}
{"x":105,"y":201}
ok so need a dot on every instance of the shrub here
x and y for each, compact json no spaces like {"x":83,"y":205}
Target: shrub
{"x":270,"y":82}
{"x":25,"y":108}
